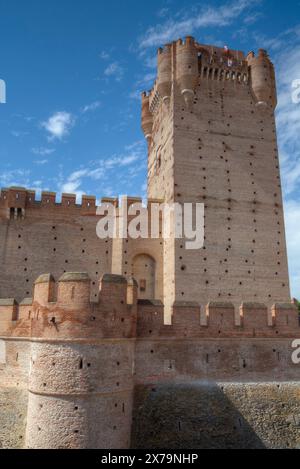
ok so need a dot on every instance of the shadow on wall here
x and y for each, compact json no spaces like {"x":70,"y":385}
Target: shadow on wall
{"x":191,"y":416}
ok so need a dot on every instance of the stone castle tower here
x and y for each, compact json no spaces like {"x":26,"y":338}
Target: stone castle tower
{"x":91,"y":351}
{"x":210,"y":126}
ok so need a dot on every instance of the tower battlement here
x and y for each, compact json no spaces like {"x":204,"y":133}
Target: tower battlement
{"x":186,"y":64}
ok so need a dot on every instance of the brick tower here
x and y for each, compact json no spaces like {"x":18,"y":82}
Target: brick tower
{"x":210,"y":125}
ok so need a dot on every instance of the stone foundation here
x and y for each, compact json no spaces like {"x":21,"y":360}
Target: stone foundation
{"x":209,"y":415}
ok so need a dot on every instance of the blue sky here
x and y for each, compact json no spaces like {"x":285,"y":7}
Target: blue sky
{"x":74,"y":71}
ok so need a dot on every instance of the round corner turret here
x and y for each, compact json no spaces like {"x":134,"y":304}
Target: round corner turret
{"x":263,"y":80}
{"x":187,"y":68}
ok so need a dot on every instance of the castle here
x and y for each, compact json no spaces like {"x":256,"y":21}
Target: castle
{"x":120,"y":343}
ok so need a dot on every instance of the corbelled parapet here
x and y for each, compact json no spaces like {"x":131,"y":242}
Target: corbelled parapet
{"x":183,"y":64}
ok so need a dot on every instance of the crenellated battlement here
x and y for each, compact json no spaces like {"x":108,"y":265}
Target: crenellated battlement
{"x":64,"y":309}
{"x":219,"y":320}
{"x":185,"y":64}
{"x":14,"y":202}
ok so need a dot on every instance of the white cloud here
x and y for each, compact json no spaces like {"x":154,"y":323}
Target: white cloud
{"x":135,"y":95}
{"x":42,"y":151}
{"x":163,"y":12}
{"x":71,"y":187}
{"x":114,"y":70}
{"x":91,"y":107}
{"x":103,"y":170}
{"x":151,"y":62}
{"x":187,"y":23}
{"x":17,"y":177}
{"x":288,"y":118}
{"x":41,"y":162}
{"x":18,"y":133}
{"x":146,"y":82}
{"x":286,"y":49}
{"x":59,"y":125}
{"x":252,"y":18}
{"x":104,"y":55}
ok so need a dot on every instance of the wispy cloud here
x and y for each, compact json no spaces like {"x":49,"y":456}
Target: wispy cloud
{"x":114,"y":70}
{"x":286,"y":49}
{"x":19,"y":133}
{"x":17,"y":177}
{"x":103,"y":170}
{"x":288,"y":117}
{"x":104,"y":55}
{"x":292,"y":217}
{"x":162,"y":13}
{"x":284,"y":39}
{"x":91,"y":107}
{"x":59,"y":125}
{"x":185,"y":23}
{"x":145,"y":82}
{"x":252,"y":18}
{"x":41,"y":162}
{"x":42,"y":151}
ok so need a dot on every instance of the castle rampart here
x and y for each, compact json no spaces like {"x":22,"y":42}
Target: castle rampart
{"x":93,"y":352}
{"x":86,"y":358}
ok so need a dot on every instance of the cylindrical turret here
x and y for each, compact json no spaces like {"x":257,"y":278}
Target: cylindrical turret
{"x":81,"y":392}
{"x":74,"y":291}
{"x":147,"y":118}
{"x":187,"y":68}
{"x":80,"y":395}
{"x":164,"y":72}
{"x":263,"y":79}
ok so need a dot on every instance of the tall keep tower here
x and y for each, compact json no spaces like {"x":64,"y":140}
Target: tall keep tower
{"x":210,"y":126}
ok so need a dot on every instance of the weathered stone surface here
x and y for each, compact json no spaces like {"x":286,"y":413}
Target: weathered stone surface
{"x":13,"y":417}
{"x":208,"y":415}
